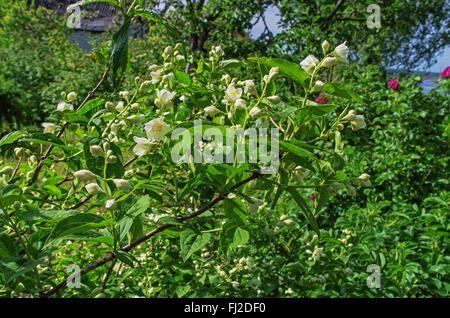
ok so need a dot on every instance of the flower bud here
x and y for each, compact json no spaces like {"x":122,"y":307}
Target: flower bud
{"x":319,"y":85}
{"x":266,"y":78}
{"x":255,"y":112}
{"x":274,"y":71}
{"x":93,"y":188}
{"x":289,"y":222}
{"x":350,"y":116}
{"x":112,"y":159}
{"x":325,"y":46}
{"x":84,"y":175}
{"x":110,"y":204}
{"x":364,"y":180}
{"x":33,"y":159}
{"x":19,"y":151}
{"x":7,"y":170}
{"x":211,"y":110}
{"x":122,"y":184}
{"x":71,"y":97}
{"x":274,"y":99}
{"x":96,"y":151}
{"x":109,"y":106}
{"x":340,"y":127}
{"x":329,"y":61}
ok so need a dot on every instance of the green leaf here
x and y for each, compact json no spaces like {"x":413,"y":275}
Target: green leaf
{"x":7,"y":246}
{"x":182,"y":290}
{"x":12,"y":137}
{"x":44,"y":214}
{"x":292,"y":70}
{"x":304,"y":208}
{"x":95,"y":164}
{"x":311,"y":112}
{"x":13,"y":267}
{"x":90,"y":105}
{"x":231,"y":237}
{"x":340,"y":90}
{"x":295,"y":148}
{"x":191,"y":242}
{"x":85,"y":2}
{"x":119,"y":52}
{"x":78,"y":223}
{"x":48,"y":139}
{"x":125,"y":258}
{"x":183,"y":78}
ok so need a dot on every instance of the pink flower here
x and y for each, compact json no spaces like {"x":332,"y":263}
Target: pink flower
{"x":322,"y":100}
{"x":313,"y":197}
{"x":393,"y":83}
{"x":446,"y":72}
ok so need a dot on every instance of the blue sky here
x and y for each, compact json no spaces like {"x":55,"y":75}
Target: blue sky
{"x":272,"y":18}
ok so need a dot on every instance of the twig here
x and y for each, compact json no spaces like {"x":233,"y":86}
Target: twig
{"x":147,"y":236}
{"x":110,"y":269}
{"x":130,"y":161}
{"x":15,"y":170}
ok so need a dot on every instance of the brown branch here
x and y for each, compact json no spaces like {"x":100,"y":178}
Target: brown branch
{"x":110,"y":269}
{"x":15,"y":170}
{"x":130,"y":161}
{"x":147,"y":236}
{"x":338,"y":5}
{"x":63,"y":128}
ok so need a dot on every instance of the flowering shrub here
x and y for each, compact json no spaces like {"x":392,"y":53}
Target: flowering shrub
{"x":103,"y":174}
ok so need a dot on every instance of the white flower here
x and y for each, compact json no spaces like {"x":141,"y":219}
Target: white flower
{"x":153,"y":67}
{"x":143,"y":146}
{"x":309,"y":63}
{"x":240,"y":104}
{"x":63,"y":106}
{"x":156,"y":129}
{"x":72,"y":96}
{"x":341,"y":53}
{"x":232,"y":94}
{"x":110,"y":204}
{"x":49,"y":127}
{"x":317,"y":253}
{"x":250,"y":87}
{"x":319,"y":85}
{"x":226,"y":78}
{"x":120,"y":106}
{"x":211,"y":110}
{"x":115,"y":128}
{"x":255,"y":112}
{"x":300,"y":173}
{"x":84,"y":175}
{"x":156,"y":75}
{"x":164,"y":97}
{"x":329,"y":61}
{"x":235,"y":284}
{"x":122,"y":184}
{"x":93,"y":188}
{"x":124,"y":94}
{"x":358,"y":123}
{"x":96,"y":151}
